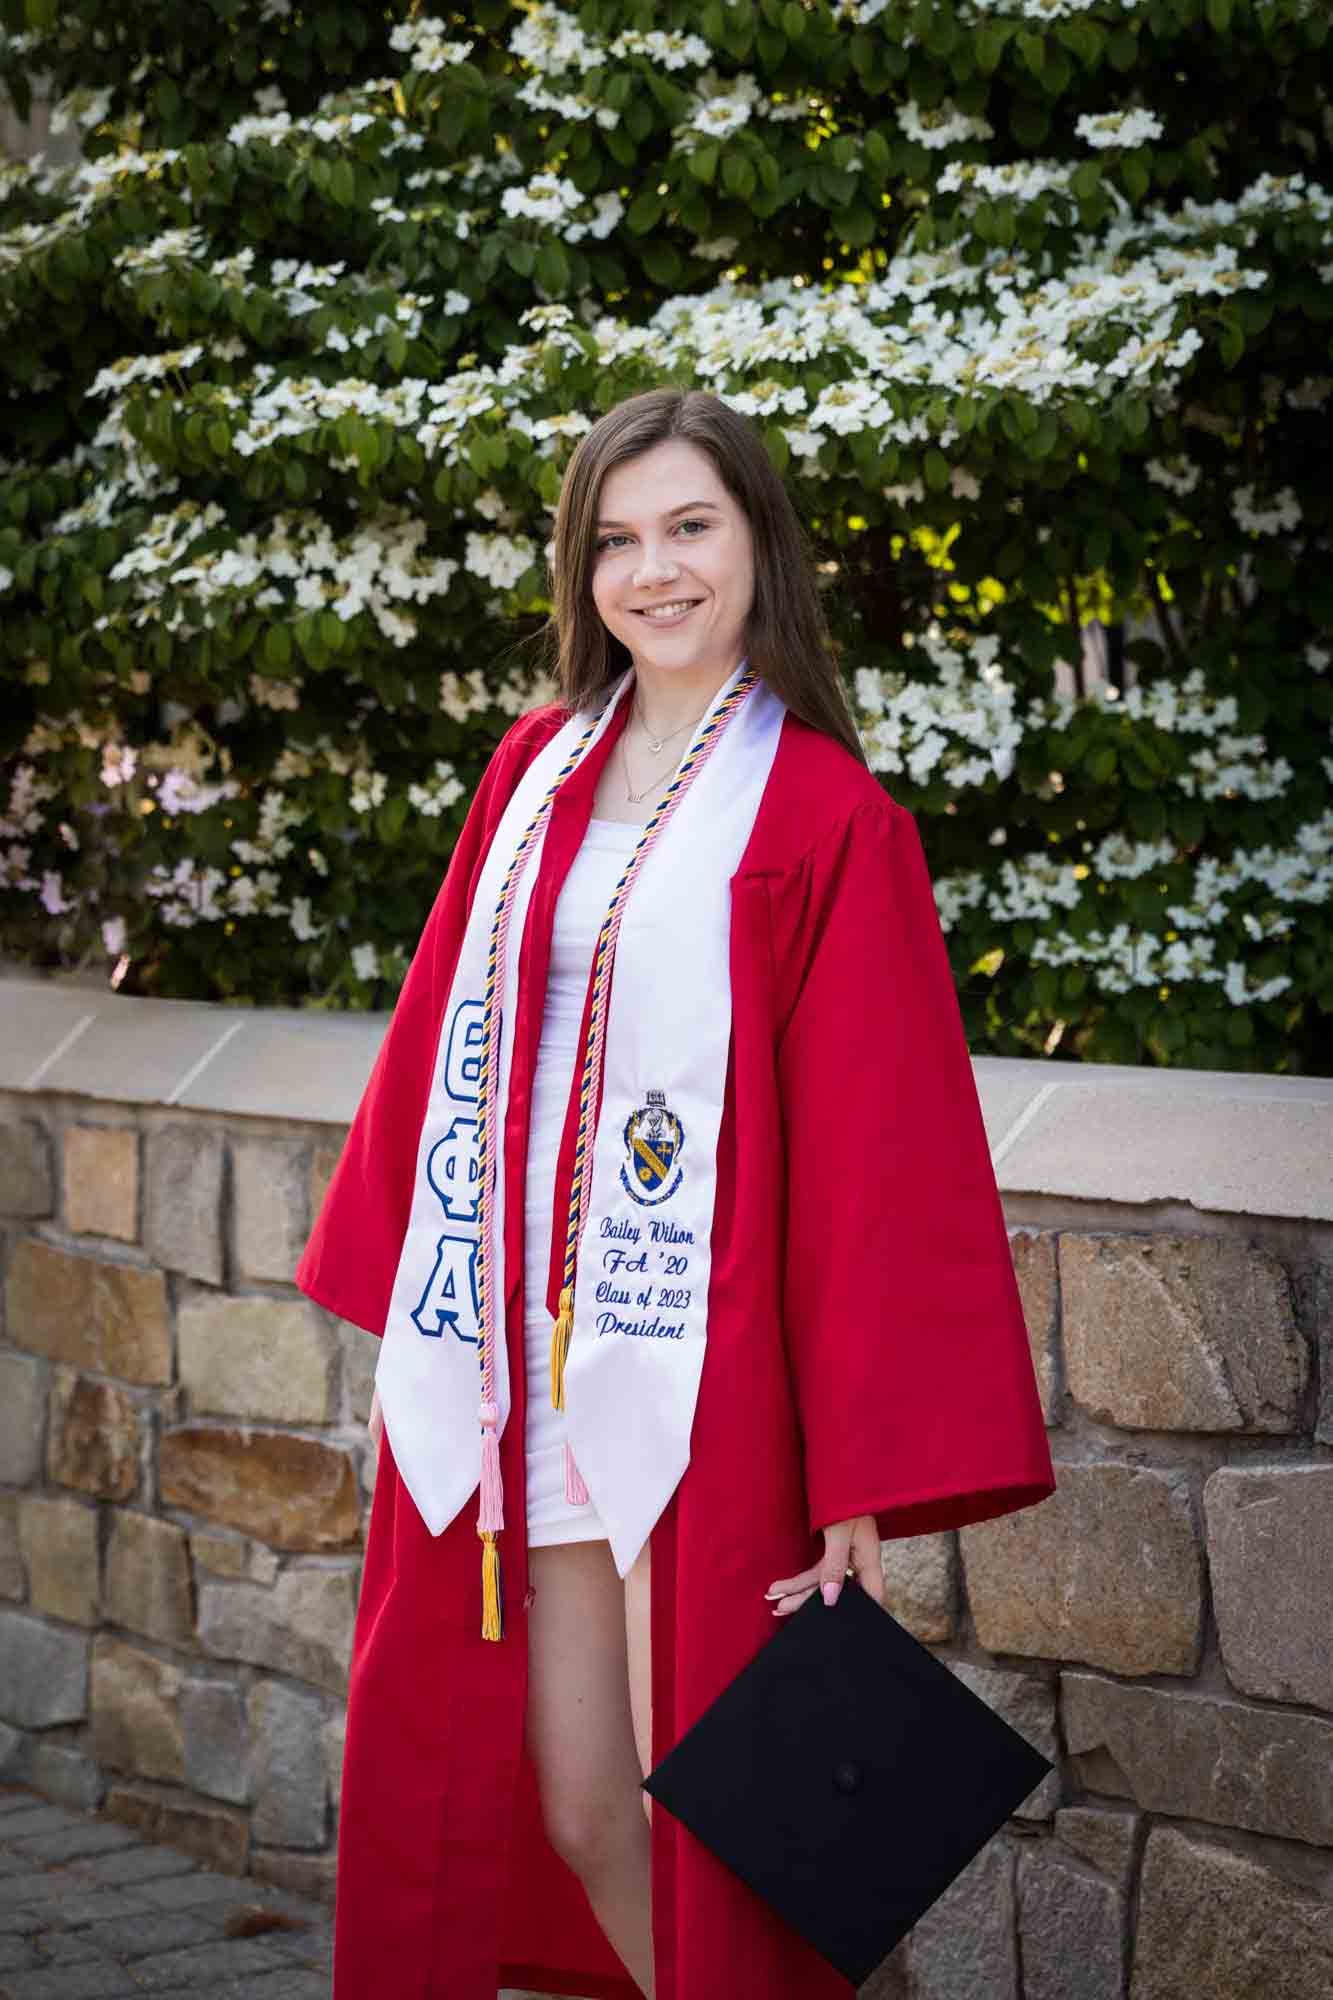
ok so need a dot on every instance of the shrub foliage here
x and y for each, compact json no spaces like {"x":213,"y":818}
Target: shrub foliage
{"x":1031,"y":299}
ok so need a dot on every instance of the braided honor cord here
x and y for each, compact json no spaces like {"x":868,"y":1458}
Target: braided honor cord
{"x":490,"y":1516}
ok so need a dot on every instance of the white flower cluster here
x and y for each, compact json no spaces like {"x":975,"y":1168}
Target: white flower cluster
{"x":720,"y":105}
{"x":668,"y":49}
{"x":1186,"y":707}
{"x":1178,"y":475}
{"x":1279,"y":517}
{"x":1104,"y":129}
{"x":368,"y":789}
{"x":296,"y":565}
{"x":187,"y":894}
{"x":1124,"y":956}
{"x":551,"y":41}
{"x":426,"y":40}
{"x":566,"y":104}
{"x":145,"y":368}
{"x":943,"y":126}
{"x":1042,"y":10}
{"x":182,"y":792}
{"x":499,"y":560}
{"x":22,"y":815}
{"x":1117,"y":856}
{"x":119,"y":763}
{"x":277,"y":816}
{"x":173,"y":246}
{"x":545,"y":198}
{"x":1239,"y":767}
{"x":766,"y":397}
{"x":962,"y":722}
{"x":465,"y":695}
{"x":1021,"y":180}
{"x":443,"y":790}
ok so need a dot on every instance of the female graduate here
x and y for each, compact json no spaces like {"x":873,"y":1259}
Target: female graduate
{"x":670,"y":1198}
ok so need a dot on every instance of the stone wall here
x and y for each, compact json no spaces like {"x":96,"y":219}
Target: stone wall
{"x":184,"y":1480}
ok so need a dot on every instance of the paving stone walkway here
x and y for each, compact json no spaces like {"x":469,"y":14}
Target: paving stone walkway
{"x":88,"y":1911}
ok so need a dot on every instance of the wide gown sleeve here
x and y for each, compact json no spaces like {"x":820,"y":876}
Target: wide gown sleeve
{"x":352,"y":1254}
{"x":910,"y":1361}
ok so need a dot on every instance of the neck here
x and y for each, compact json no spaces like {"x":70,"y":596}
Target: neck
{"x":669,"y":698}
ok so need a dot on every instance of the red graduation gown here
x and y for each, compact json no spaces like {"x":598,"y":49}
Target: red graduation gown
{"x":866,"y":1355}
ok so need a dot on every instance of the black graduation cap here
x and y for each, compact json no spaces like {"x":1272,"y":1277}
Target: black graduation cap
{"x":847,"y":1776}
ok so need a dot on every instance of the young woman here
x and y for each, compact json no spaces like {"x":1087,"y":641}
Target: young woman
{"x":670,"y":1197}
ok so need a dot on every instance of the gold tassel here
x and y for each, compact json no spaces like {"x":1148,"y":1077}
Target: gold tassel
{"x":492,"y":1614}
{"x":560,"y":1338}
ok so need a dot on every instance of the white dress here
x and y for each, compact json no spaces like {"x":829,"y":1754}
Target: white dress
{"x":580,"y":908}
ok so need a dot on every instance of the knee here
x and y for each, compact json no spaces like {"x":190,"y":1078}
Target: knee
{"x":587,"y":1832}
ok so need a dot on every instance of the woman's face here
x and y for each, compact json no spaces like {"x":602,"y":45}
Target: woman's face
{"x":673,"y":562}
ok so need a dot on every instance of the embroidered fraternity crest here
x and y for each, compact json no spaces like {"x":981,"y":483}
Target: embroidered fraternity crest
{"x":654,"y":1137}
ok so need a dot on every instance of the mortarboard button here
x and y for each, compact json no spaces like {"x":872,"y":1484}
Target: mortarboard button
{"x":847,"y":1778}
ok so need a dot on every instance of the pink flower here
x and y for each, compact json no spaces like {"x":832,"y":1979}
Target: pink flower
{"x":53,"y":894}
{"x":118,"y":762}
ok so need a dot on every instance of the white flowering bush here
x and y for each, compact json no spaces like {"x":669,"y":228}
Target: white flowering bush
{"x":1031,"y":300}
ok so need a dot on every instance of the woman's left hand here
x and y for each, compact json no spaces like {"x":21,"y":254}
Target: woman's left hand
{"x":850,"y":1544}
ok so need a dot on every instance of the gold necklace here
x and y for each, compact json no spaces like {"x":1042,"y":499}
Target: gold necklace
{"x":656,"y":745}
{"x":635,"y":797}
{"x":655,"y":742}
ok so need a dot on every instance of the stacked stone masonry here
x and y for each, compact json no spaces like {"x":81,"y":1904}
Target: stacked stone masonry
{"x":185,"y":1483}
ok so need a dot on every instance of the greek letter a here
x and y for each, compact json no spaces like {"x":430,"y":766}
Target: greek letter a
{"x":451,"y":1293}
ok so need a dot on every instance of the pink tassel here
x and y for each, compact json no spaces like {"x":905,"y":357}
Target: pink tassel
{"x":576,"y":1493}
{"x":491,"y":1517}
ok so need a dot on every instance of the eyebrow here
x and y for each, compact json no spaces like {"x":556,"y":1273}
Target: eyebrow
{"x":686,"y":507}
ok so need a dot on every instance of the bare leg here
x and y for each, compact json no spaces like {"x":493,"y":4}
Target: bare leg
{"x":580,"y":1733}
{"x":639,"y":1652}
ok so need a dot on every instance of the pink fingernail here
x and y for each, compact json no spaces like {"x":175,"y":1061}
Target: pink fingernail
{"x":830,"y":1593}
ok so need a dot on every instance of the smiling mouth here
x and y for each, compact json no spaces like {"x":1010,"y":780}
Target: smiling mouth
{"x":666,"y":614}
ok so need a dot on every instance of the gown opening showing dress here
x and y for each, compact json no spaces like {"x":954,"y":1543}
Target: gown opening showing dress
{"x":580,"y":908}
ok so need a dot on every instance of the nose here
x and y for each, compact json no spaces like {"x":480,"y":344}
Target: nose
{"x":653,"y":567}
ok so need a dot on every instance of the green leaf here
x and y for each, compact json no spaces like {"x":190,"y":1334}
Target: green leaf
{"x":1136,"y":416}
{"x":1231,"y":342}
{"x":552,"y":271}
{"x":936,"y":468}
{"x":738,"y":176}
{"x":1219,"y":15}
{"x":1136,"y":176}
{"x":276,"y":650}
{"x":644,"y":212}
{"x":663,"y":264}
{"x":793,"y":21}
{"x":342,"y":184}
{"x":989,"y":43}
{"x":391,"y":818}
{"x":702,"y":162}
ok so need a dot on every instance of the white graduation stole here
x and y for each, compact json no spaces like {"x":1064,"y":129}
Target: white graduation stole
{"x":640,"y":1312}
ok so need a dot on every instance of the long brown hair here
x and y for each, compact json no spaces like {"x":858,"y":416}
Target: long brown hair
{"x":786,"y":639}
